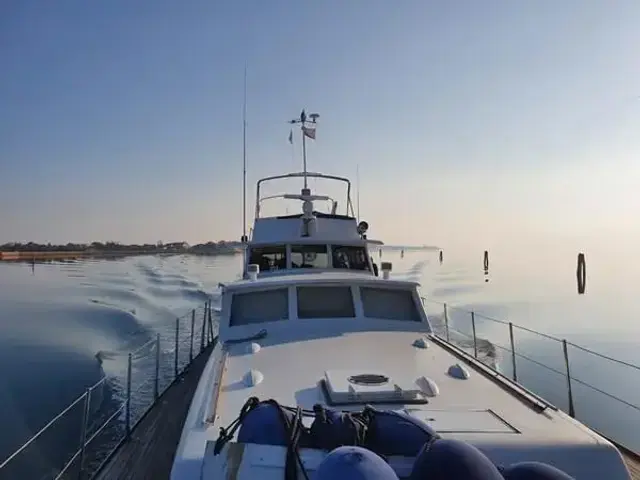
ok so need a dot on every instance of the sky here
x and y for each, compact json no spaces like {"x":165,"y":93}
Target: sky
{"x":469,"y":122}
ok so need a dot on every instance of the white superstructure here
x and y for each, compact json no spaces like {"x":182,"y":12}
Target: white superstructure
{"x":314,"y":318}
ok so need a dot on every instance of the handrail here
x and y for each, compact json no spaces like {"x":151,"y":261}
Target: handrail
{"x":605,"y":357}
{"x":205,"y":330}
{"x":41,"y":431}
{"x":79,"y":458}
{"x":474,"y":338}
{"x":300,"y":175}
{"x":545,"y":335}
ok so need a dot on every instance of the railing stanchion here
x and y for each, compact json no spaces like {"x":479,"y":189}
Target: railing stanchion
{"x":208,"y":340}
{"x":156,"y":384}
{"x":446,"y":322}
{"x":475,"y":339}
{"x":204,"y":322}
{"x":128,"y":401}
{"x":193,"y":323}
{"x":513,"y":353}
{"x":175,"y":358}
{"x":565,"y":350}
{"x":210,"y":337}
{"x":83,"y":432}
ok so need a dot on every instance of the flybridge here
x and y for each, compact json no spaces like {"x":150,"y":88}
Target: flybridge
{"x":309,"y":214}
{"x":310,"y":239}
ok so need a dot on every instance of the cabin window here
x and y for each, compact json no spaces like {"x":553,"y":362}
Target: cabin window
{"x":349,"y":257}
{"x":259,"y":307}
{"x":309,"y":256}
{"x":325,"y":302}
{"x":389,"y":304}
{"x":269,"y":258}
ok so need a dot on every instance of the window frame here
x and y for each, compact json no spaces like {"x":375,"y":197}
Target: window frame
{"x":367,"y":258}
{"x":329,"y":254}
{"x":261,"y":290}
{"x":292,"y":301}
{"x":414,"y":297}
{"x":352,"y":290}
{"x":287,"y":256}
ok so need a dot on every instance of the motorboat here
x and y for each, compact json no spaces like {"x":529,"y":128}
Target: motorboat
{"x":318,"y":351}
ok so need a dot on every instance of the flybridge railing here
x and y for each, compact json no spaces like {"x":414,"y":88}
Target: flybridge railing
{"x":554,"y":368}
{"x":83,"y":436}
{"x":349,"y":203}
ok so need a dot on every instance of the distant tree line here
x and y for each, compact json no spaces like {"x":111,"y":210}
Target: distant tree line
{"x":114,"y":247}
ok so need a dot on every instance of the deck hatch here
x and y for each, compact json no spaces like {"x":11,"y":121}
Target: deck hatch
{"x":463,"y":421}
{"x":369,"y":386}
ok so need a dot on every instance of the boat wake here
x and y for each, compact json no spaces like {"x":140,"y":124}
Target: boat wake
{"x":77,"y":326}
{"x":448,"y":286}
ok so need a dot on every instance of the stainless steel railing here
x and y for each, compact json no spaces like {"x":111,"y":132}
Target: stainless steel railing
{"x":100,"y":434}
{"x":465,"y":331}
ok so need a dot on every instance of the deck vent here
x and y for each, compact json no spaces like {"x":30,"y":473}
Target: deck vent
{"x":253,"y":269}
{"x":458,"y":371}
{"x":421,"y":343}
{"x":368,"y":379}
{"x":253,"y":378}
{"x":428,"y":386}
{"x":386,"y":268}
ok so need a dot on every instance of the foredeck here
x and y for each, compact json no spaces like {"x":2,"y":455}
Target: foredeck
{"x":149,"y":453}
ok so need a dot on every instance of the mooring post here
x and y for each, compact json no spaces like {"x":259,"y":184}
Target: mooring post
{"x":581,"y":274}
{"x":565,"y":350}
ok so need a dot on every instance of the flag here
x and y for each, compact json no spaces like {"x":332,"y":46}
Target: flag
{"x":291,"y":137}
{"x":309,"y":132}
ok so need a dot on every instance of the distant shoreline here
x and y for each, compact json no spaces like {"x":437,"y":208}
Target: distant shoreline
{"x":211,"y":249}
{"x":61,"y":255}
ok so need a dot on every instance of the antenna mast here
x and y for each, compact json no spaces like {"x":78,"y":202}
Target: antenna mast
{"x":306,"y":131}
{"x":244,"y":163}
{"x":358,"y":191}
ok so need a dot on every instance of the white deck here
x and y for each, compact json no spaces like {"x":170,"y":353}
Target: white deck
{"x":293,"y":369}
{"x":293,"y":355}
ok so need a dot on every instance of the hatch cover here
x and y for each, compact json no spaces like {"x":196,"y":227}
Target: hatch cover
{"x":463,"y":421}
{"x":369,"y":386}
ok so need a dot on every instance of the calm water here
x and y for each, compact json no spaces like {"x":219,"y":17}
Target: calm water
{"x":65,"y":325}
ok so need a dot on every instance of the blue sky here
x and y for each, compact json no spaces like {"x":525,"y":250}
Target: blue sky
{"x":470,"y":121}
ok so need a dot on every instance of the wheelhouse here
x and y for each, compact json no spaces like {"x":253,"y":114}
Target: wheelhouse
{"x":311,"y":240}
{"x":310,"y":256}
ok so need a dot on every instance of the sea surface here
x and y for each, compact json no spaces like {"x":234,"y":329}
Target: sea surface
{"x":65,"y":325}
